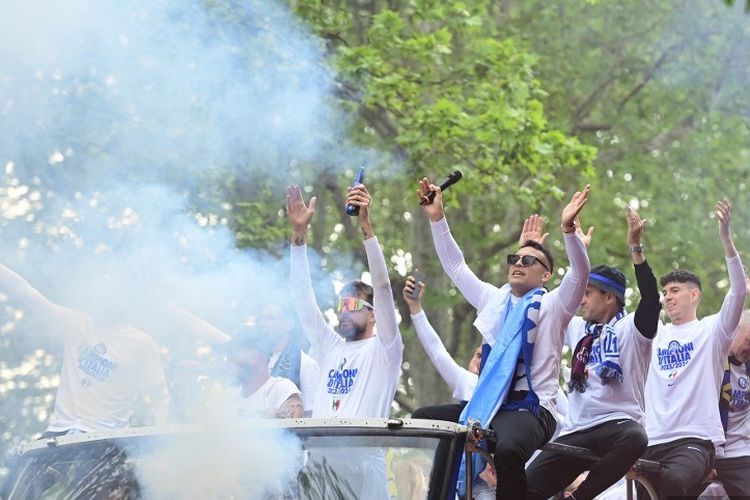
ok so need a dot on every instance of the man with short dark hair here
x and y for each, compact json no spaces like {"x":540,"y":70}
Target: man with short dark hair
{"x":682,"y":418}
{"x":359,"y":370}
{"x":611,"y":353}
{"x":524,"y":326}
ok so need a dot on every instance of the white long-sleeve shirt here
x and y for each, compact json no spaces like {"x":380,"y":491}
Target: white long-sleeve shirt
{"x":461,"y":381}
{"x":687,"y":365}
{"x":357,"y":378}
{"x":557,"y":307}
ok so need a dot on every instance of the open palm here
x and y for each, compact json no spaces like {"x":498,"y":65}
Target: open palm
{"x":298,"y":212}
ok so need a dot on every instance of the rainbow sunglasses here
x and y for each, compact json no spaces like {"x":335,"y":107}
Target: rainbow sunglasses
{"x":352,"y":304}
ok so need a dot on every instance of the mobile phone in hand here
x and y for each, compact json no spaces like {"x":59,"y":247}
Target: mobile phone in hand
{"x":418,"y":277}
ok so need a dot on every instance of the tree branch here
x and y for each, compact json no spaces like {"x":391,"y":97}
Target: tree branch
{"x":647,"y":77}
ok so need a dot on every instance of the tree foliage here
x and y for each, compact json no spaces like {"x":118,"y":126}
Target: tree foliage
{"x":646,"y":100}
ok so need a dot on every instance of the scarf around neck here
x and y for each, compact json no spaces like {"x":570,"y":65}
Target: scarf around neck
{"x":609,"y":369}
{"x":517,"y":335}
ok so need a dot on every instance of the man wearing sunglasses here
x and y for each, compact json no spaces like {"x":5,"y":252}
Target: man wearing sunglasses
{"x":359,"y":368}
{"x":524,"y":326}
{"x":611,"y":353}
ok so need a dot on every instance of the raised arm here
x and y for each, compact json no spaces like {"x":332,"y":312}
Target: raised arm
{"x":313,"y":323}
{"x":573,"y":285}
{"x":195,"y":326}
{"x":646,"y":316}
{"x":731,"y":308}
{"x":385,"y":308}
{"x":53,"y":316}
{"x":452,"y":372}
{"x":474,"y":290}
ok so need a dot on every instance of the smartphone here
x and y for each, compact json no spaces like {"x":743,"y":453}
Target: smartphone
{"x":418,"y":277}
{"x":353,"y":210}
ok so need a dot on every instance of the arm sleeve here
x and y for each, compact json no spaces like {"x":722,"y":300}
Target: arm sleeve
{"x":451,"y":371}
{"x":53,"y":317}
{"x":385,"y":308}
{"x":195,"y":326}
{"x":313,"y":323}
{"x":474,"y":290}
{"x":573,"y":284}
{"x":647,"y":313}
{"x":731,"y":308}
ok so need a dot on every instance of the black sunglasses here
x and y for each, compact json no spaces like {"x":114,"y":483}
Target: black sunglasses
{"x":526,"y":260}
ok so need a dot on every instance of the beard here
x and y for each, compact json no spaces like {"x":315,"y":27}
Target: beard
{"x":352,"y":331}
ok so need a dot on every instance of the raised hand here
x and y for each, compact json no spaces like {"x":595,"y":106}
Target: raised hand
{"x":574,"y":207}
{"x":434,"y":209}
{"x":723,"y":214}
{"x":415,"y":304}
{"x":636,"y":225}
{"x":359,"y":196}
{"x":584,"y":237}
{"x":533,"y":228}
{"x":299,"y":214}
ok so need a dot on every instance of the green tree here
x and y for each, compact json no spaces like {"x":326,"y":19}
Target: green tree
{"x":437,"y":87}
{"x":660,"y":89}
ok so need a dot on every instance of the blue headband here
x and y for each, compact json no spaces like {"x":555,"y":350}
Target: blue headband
{"x":603,"y":279}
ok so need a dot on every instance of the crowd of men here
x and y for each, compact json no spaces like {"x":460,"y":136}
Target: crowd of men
{"x":675,"y":392}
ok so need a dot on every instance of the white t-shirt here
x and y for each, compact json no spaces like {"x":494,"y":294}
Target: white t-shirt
{"x":687,"y":365}
{"x":103,"y":372}
{"x":268,"y":398}
{"x":556,"y":310}
{"x":357,"y":378}
{"x":461,"y":381}
{"x":616,"y":400}
{"x":738,"y":428}
{"x":308,"y":377}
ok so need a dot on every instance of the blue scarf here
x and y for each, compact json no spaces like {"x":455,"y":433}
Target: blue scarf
{"x":517,"y":335}
{"x":288,"y":364}
{"x":609,"y":370}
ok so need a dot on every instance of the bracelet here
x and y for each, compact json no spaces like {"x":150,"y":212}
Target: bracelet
{"x":635,"y":248}
{"x":568,"y":229}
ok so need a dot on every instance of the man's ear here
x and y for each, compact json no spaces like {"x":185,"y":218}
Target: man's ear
{"x":695,"y":295}
{"x":546,"y":276}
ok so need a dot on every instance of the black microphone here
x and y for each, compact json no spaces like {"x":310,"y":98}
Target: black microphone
{"x":452,"y":178}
